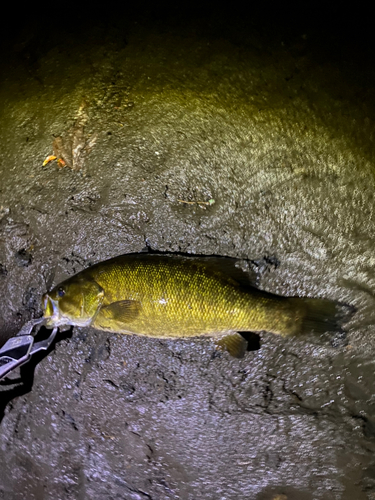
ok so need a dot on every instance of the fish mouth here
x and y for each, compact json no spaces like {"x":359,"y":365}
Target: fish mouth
{"x":50,"y":310}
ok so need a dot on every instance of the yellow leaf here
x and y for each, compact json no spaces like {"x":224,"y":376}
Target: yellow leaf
{"x":48,"y":159}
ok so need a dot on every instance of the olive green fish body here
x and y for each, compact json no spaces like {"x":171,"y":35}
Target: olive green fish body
{"x":168,"y":296}
{"x":176,"y":297}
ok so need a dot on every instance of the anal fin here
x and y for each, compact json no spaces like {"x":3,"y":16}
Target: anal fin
{"x":234,"y":343}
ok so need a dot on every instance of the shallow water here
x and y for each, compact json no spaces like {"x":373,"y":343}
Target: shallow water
{"x":275,"y":124}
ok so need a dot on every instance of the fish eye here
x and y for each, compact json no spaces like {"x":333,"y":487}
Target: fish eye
{"x":61,"y":292}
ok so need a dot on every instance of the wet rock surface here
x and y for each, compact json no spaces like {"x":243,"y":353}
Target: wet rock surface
{"x":275,"y":125}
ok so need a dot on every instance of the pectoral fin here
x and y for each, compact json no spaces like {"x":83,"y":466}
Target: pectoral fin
{"x":234,"y":343}
{"x":123,"y":311}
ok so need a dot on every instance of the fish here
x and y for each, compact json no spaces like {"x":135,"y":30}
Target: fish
{"x":172,"y":296}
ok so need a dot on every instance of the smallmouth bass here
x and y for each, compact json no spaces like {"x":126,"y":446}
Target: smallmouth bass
{"x":169,"y":296}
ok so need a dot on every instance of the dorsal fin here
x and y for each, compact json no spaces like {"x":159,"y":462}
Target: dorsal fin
{"x":236,"y":269}
{"x":239,"y":270}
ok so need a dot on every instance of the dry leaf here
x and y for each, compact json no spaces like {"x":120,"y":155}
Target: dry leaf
{"x":48,"y":159}
{"x":72,"y":148}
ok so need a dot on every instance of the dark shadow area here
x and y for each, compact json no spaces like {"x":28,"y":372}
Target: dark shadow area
{"x":341,"y":31}
{"x":253,"y":340}
{"x":12,"y":387}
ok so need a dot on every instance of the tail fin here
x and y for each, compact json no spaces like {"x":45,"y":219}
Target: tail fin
{"x":321,"y":316}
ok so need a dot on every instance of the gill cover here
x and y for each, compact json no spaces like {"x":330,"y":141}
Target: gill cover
{"x":74,"y":302}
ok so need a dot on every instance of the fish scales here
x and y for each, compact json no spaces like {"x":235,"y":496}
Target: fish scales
{"x":180,"y":298}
